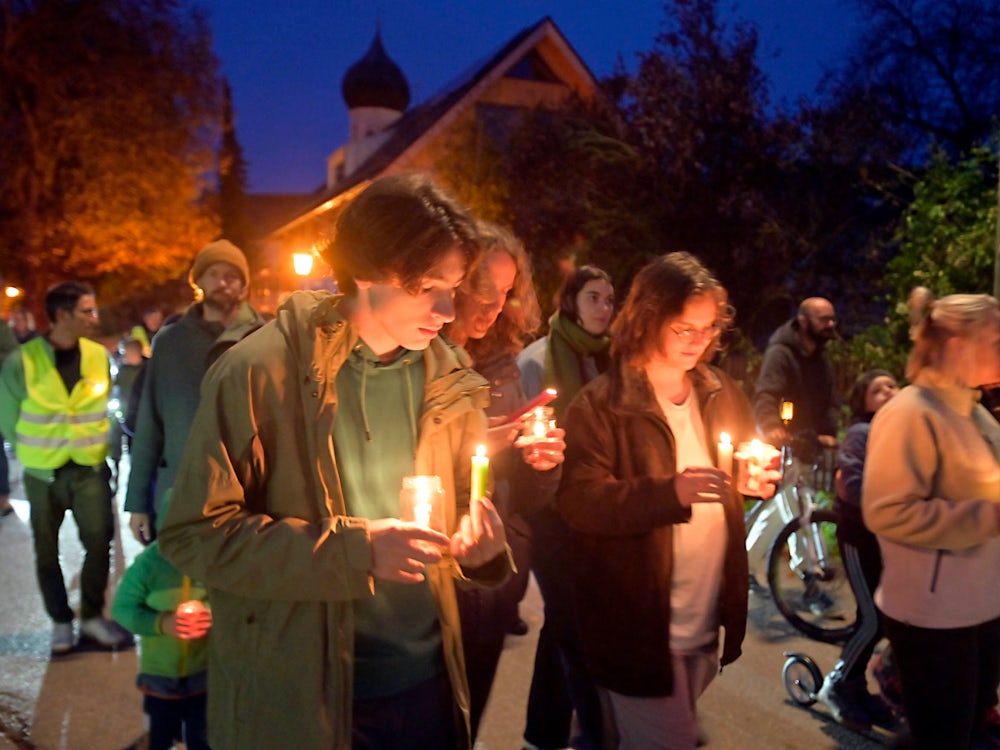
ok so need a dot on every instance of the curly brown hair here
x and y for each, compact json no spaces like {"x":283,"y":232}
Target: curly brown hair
{"x":521,"y":314}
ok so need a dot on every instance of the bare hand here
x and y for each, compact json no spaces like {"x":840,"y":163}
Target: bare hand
{"x":401,"y":550}
{"x":480,"y":536}
{"x":827,"y":441}
{"x":187,"y":624}
{"x":769,"y":479}
{"x":702,"y":484}
{"x":543,"y":455}
{"x":142,"y":527}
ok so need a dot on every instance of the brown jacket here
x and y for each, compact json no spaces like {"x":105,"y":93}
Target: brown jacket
{"x":618,"y":497}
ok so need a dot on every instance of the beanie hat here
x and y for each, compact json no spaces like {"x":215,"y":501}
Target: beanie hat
{"x":220,"y":251}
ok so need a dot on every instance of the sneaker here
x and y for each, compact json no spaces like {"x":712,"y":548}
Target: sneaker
{"x":62,"y":638}
{"x":846,"y":703}
{"x":817,"y":600}
{"x":102,"y":632}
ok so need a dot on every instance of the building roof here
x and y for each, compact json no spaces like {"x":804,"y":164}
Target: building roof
{"x":418,"y":122}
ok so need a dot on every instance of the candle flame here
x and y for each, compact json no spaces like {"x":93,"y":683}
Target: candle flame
{"x":725,"y":439}
{"x":481,"y":451}
{"x":787,"y":410}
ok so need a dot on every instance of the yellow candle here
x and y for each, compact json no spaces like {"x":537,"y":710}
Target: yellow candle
{"x":726,"y":453}
{"x":480,"y":474}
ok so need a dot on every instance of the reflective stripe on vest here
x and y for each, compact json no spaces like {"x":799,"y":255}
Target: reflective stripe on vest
{"x":54,"y":426}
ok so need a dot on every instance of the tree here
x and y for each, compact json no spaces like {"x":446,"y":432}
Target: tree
{"x":934,"y":66}
{"x":945,"y":241}
{"x":232,"y":179}
{"x":109,"y":113}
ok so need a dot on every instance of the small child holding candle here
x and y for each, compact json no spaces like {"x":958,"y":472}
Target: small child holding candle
{"x":166,"y":610}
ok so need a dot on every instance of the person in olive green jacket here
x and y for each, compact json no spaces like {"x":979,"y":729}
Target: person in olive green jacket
{"x":335,"y":622}
{"x":8,"y":343}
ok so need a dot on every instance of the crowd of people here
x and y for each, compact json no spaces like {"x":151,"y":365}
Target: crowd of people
{"x":281,"y":600}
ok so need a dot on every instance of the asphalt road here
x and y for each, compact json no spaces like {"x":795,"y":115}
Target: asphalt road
{"x":88,"y":700}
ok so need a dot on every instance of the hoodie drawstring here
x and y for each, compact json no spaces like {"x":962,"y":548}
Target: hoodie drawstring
{"x":364,"y":400}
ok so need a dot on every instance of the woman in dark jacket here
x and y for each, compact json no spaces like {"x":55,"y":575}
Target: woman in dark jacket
{"x":657,"y":530}
{"x":495,"y":308}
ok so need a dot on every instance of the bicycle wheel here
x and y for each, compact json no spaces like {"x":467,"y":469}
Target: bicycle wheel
{"x":816,"y":596}
{"x":802,"y":678}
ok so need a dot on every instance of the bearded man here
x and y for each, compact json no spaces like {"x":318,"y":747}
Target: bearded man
{"x":181,"y":355}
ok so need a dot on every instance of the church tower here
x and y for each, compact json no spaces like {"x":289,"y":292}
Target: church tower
{"x":376,"y":93}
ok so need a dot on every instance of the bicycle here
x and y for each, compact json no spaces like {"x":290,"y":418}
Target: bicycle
{"x":805,"y":572}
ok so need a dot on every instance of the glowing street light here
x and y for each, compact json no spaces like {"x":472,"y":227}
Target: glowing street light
{"x":11,"y":292}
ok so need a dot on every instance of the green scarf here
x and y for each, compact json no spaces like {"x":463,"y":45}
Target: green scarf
{"x":568,"y":345}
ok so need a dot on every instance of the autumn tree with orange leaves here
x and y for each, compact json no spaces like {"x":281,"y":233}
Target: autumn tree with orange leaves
{"x":109,"y":120}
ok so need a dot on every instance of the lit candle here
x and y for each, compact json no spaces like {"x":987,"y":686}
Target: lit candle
{"x":726,"y":453}
{"x":787,"y":409}
{"x":754,"y":457}
{"x":480,"y":474}
{"x":422,"y":506}
{"x":421,"y":501}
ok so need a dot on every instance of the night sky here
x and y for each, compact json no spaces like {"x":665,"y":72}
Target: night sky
{"x":285,"y":60}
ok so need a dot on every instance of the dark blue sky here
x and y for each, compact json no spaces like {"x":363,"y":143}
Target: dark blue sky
{"x":285,"y":60}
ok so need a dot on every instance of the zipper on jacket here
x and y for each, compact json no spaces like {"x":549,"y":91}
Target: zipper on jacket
{"x":937,"y":569}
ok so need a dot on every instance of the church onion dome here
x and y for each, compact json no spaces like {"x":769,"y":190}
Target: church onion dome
{"x":376,"y":81}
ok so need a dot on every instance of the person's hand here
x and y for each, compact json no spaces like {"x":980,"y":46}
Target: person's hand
{"x":827,"y":441}
{"x":190,"y":621}
{"x":142,"y":527}
{"x":701,"y":484}
{"x":543,"y":455}
{"x":401,"y":550}
{"x":480,"y":537}
{"x":769,"y":479}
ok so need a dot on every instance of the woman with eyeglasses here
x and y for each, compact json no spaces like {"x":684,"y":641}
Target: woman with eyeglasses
{"x":657,"y":529}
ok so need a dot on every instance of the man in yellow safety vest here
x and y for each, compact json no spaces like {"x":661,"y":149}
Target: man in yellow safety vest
{"x":54,"y":408}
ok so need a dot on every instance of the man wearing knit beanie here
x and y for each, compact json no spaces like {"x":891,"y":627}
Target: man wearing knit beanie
{"x":181,"y":355}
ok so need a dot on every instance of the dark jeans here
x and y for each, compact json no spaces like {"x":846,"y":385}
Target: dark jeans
{"x":167,"y":716}
{"x":419,"y":719}
{"x":560,"y":681}
{"x":949,"y":680}
{"x":863,"y":561}
{"x":84,"y":491}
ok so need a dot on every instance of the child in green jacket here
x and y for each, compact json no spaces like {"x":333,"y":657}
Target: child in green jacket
{"x":161,"y":605}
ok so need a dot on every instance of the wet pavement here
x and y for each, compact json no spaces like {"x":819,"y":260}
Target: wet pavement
{"x":87,"y":700}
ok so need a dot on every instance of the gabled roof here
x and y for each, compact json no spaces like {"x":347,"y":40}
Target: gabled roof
{"x":422,"y":121}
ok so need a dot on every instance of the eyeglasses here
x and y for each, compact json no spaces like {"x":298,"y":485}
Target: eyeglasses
{"x":690,"y":333}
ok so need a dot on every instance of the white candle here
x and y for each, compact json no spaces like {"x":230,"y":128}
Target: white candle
{"x":725,"y":449}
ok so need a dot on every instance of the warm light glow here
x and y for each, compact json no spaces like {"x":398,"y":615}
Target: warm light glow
{"x":12,"y":291}
{"x":725,"y":439}
{"x":303,"y":263}
{"x":481,"y":450}
{"x":787,"y":409}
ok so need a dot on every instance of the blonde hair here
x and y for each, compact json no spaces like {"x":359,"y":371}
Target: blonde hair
{"x":933,"y":322}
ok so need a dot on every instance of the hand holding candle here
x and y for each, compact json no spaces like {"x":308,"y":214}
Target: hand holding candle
{"x":192,"y":619}
{"x":754,"y":461}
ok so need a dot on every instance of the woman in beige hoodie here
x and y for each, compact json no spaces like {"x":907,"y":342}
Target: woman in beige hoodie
{"x":931,"y":494}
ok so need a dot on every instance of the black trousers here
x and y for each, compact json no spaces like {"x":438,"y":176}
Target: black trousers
{"x":949,"y":678}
